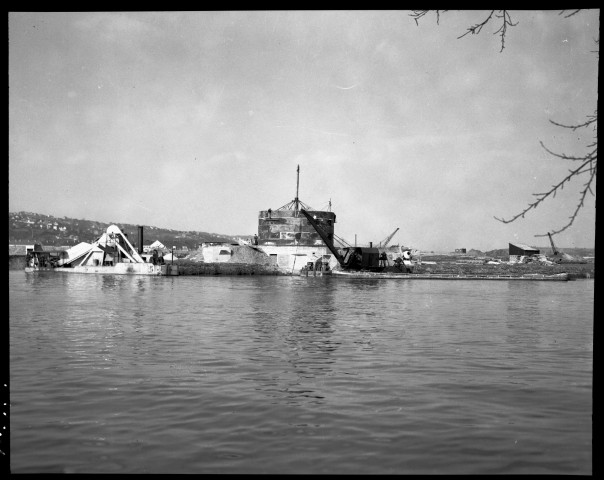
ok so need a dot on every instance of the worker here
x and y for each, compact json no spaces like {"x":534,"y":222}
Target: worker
{"x":359,"y":259}
{"x":398,"y":263}
{"x":383,"y":259}
{"x":270,"y":212}
{"x":256,"y":238}
{"x":155,"y":258}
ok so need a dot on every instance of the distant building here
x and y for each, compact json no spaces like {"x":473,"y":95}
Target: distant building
{"x":157,"y":245}
{"x":517,"y":250}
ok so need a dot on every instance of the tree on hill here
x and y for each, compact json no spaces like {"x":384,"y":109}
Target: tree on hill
{"x":76,"y":230}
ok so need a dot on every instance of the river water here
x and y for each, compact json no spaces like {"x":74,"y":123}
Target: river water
{"x":270,"y":374}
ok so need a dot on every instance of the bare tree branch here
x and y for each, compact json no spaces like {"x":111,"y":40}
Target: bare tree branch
{"x":504,"y":15}
{"x":588,"y":161}
{"x":580,"y":205}
{"x":588,"y":166}
{"x":417,"y":14}
{"x":570,"y":14}
{"x":507,"y":22}
{"x":474,"y":30}
{"x":591,"y":120}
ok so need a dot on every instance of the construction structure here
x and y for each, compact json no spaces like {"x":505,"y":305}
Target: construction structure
{"x":356,"y":258}
{"x":289,"y":240}
{"x":559,"y":256}
{"x":520,"y":252}
{"x":384,"y":243}
{"x":112,"y":253}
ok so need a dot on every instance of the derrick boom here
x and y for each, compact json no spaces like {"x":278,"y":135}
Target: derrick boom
{"x":323,"y":236}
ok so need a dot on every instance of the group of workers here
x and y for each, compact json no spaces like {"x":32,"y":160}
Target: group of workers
{"x":318,"y":266}
{"x":38,"y":261}
{"x":157,"y":259}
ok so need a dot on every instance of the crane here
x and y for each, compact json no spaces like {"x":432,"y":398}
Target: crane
{"x":324,"y":236}
{"x":562,"y":257}
{"x":353,"y":258}
{"x":551,"y":240}
{"x":384,"y":243}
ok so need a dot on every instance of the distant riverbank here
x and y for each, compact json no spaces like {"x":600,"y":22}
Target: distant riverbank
{"x":575,"y":271}
{"x":451,"y":266}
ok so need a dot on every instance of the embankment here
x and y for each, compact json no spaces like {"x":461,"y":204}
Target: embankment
{"x":574,"y":270}
{"x":189,"y":267}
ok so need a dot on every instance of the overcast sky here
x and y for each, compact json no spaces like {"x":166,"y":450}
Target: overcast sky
{"x":198,"y":120}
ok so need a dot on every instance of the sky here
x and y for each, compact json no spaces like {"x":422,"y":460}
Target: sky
{"x":197,"y":121}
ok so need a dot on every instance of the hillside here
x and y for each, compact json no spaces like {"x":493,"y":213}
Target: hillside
{"x":29,"y":228}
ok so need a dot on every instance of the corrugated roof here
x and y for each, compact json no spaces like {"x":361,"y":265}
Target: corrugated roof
{"x":523,"y":246}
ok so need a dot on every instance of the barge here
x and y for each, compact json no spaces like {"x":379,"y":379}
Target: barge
{"x":370,"y":263}
{"x":111,"y":253}
{"x":559,"y":277}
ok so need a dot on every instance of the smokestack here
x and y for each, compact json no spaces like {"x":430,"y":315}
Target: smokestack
{"x":370,"y":244}
{"x":140,"y":239}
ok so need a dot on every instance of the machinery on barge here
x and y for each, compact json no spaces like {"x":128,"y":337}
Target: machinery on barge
{"x":559,"y":256}
{"x":111,"y":253}
{"x":363,"y":262}
{"x":356,"y":258}
{"x":290,"y":242}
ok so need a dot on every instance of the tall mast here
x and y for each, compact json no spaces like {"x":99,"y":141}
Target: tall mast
{"x":297,"y":187}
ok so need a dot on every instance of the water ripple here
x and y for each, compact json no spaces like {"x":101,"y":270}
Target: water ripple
{"x":296,"y":375}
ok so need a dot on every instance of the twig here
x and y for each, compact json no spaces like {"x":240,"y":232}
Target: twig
{"x":570,"y":14}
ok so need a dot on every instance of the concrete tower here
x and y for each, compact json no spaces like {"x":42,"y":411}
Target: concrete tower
{"x":285,"y":233}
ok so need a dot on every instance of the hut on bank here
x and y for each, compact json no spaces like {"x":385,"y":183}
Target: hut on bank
{"x":519,"y":250}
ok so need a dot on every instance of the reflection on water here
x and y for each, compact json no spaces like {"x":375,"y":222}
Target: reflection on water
{"x":295,"y":332}
{"x":299,"y":375}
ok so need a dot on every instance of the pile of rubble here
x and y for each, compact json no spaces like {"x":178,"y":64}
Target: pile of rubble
{"x":249,"y":255}
{"x":239,"y":254}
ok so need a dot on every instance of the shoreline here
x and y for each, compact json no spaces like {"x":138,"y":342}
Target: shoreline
{"x":575,"y":271}
{"x":192,"y":268}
